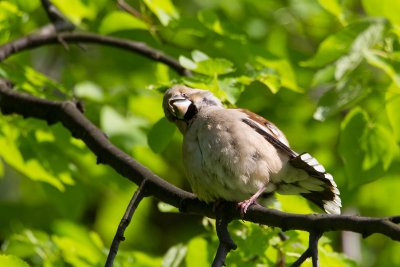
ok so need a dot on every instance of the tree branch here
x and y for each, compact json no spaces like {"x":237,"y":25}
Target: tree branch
{"x":39,"y":39}
{"x":67,"y":113}
{"x":126,"y":219}
{"x":312,"y":250}
{"x":226,"y":243}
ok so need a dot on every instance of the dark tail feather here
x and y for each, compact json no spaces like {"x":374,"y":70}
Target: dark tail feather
{"x":322,"y":188}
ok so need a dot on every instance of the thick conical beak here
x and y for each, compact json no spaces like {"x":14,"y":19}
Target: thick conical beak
{"x":179,"y":106}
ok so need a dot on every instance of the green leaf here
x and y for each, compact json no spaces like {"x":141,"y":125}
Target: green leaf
{"x":211,"y":21}
{"x":165,"y":207}
{"x":337,"y":98}
{"x":374,"y":58}
{"x":33,"y":82}
{"x":364,"y":41}
{"x":163,"y":9}
{"x":89,"y":90}
{"x":125,"y":131}
{"x":197,"y":251}
{"x":12,"y":261}
{"x":174,"y":256}
{"x":202,"y":64}
{"x":79,"y":246}
{"x":1,"y":168}
{"x":199,"y":56}
{"x":120,"y":21}
{"x":282,"y":74}
{"x":337,"y":44}
{"x":363,"y":145}
{"x":383,"y":8}
{"x":379,"y":146}
{"x":392,"y":109}
{"x":334,"y":7}
{"x":77,"y":10}
{"x":31,"y":168}
{"x":215,"y":66}
{"x":272,"y":81}
{"x":187,"y":63}
{"x":160,"y":135}
{"x":233,"y":87}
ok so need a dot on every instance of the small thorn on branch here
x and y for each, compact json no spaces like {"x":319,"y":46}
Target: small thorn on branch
{"x":126,"y":219}
{"x":312,"y":250}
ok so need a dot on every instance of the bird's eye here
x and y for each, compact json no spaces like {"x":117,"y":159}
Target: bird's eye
{"x":184,"y":95}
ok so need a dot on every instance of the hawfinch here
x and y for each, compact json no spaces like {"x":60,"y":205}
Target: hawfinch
{"x":236,"y":155}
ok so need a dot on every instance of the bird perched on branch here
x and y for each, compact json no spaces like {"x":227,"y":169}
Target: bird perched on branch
{"x":236,"y":155}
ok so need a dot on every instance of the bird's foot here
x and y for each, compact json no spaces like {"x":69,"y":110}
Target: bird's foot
{"x":245,"y":204}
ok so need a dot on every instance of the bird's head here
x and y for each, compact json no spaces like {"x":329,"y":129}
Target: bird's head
{"x":182,"y":103}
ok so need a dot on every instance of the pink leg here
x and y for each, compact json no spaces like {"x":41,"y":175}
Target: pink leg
{"x":245,"y":204}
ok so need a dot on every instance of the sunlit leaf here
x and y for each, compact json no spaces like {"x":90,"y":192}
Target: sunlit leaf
{"x":197,"y":252}
{"x":379,"y":146}
{"x":337,"y":98}
{"x":376,"y":60}
{"x":123,"y":130}
{"x":187,"y":63}
{"x":215,"y":66}
{"x":32,"y":168}
{"x":77,"y":10}
{"x":165,"y":207}
{"x":392,"y":109}
{"x":233,"y":87}
{"x":285,"y":77}
{"x":334,"y":7}
{"x":174,"y":256}
{"x":78,"y":246}
{"x":364,"y":41}
{"x":163,"y":9}
{"x":337,"y":45}
{"x":272,"y":81}
{"x":359,"y":147}
{"x":383,"y":8}
{"x":211,"y":20}
{"x":12,"y":261}
{"x":89,"y":90}
{"x":120,"y":21}
{"x":36,"y":83}
{"x":201,"y":63}
{"x":199,"y":56}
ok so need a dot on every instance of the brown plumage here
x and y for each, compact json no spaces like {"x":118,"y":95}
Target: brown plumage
{"x":236,"y":155}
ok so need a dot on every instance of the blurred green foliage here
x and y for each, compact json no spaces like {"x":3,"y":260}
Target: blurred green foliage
{"x":326,"y":72}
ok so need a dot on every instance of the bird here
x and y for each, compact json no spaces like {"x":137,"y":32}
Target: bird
{"x":233,"y":154}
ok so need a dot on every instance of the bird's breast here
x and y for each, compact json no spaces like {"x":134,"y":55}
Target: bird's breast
{"x":226,"y":159}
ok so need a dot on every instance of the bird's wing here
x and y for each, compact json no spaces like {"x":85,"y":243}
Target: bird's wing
{"x":321,"y":188}
{"x":269,"y":131}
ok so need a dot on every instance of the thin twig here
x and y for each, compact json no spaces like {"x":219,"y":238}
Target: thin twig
{"x":226,"y":243}
{"x":126,"y":219}
{"x":127,"y":8}
{"x":312,"y":250}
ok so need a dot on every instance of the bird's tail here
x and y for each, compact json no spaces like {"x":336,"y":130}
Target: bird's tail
{"x":309,"y":179}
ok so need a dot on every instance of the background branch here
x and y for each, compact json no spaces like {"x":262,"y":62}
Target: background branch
{"x":125,"y":221}
{"x":226,"y":243}
{"x":80,"y":127}
{"x":40,"y":39}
